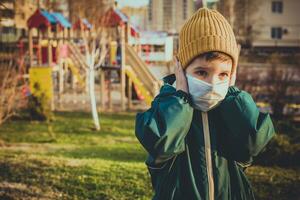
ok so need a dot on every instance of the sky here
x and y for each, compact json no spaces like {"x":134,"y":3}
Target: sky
{"x":132,"y":3}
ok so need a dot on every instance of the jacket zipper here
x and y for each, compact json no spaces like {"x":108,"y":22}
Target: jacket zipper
{"x":208,"y":155}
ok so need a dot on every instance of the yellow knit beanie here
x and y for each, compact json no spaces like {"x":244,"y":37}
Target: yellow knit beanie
{"x":206,"y":30}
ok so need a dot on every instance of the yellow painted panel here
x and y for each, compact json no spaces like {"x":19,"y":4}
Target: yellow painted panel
{"x":113,"y":52}
{"x":40,"y":79}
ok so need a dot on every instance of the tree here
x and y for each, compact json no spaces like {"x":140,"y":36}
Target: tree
{"x":10,"y":90}
{"x":280,"y":80}
{"x":239,"y":14}
{"x":92,"y":10}
{"x":95,"y":52}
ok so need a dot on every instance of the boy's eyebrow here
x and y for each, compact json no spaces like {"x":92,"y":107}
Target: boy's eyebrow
{"x":201,"y":67}
{"x":227,"y":71}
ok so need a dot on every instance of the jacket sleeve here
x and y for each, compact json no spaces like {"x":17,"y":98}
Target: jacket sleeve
{"x":247,"y":129}
{"x":162,"y":129}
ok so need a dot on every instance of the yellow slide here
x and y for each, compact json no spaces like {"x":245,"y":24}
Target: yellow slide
{"x":76,"y":63}
{"x":137,"y":70}
{"x":136,"y":81}
{"x":75,"y":72}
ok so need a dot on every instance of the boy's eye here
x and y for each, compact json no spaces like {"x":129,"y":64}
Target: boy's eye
{"x":224,"y":75}
{"x":201,"y":73}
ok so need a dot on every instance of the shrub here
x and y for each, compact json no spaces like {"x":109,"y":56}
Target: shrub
{"x":281,"y":152}
{"x":39,"y":105}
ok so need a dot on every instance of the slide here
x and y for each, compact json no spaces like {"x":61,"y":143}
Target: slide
{"x":75,"y":61}
{"x":76,"y":56}
{"x":137,"y":70}
{"x":75,"y":71}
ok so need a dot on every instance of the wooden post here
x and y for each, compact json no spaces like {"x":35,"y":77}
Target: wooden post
{"x":49,"y":46}
{"x":70,"y":34}
{"x":139,"y":48}
{"x":81,"y":32}
{"x":102,"y":88}
{"x":122,"y":73}
{"x":63,"y":35}
{"x":109,"y":88}
{"x":30,"y":47}
{"x":50,"y":59}
{"x":127,"y":32}
{"x":129,"y":93}
{"x":39,"y":48}
{"x":57,"y":31}
{"x":61,"y":76}
{"x":61,"y":81}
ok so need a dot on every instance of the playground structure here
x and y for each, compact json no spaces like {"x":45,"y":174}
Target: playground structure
{"x":56,"y":44}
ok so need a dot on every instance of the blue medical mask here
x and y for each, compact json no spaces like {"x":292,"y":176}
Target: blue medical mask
{"x":206,"y":96}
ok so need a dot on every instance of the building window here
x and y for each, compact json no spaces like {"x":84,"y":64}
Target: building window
{"x":159,"y":48}
{"x":8,"y":29}
{"x":7,"y":13}
{"x":276,"y":32}
{"x":277,"y":6}
{"x":184,"y":9}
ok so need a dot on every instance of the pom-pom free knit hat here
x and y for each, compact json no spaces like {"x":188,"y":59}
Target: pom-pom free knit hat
{"x":206,"y":30}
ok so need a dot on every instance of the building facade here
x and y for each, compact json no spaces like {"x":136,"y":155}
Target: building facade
{"x":13,"y":18}
{"x":264,"y":24}
{"x":276,"y":24}
{"x":169,"y":15}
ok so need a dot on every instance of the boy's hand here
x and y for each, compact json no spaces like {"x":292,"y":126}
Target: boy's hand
{"x":233,"y":75}
{"x":233,"y":78}
{"x":181,"y":82}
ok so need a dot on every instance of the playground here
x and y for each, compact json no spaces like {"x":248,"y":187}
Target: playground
{"x":59,"y":63}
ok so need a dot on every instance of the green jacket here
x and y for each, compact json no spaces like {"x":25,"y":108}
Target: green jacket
{"x":195,"y":155}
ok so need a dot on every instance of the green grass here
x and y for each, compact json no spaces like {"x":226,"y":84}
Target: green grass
{"x":67,"y":159}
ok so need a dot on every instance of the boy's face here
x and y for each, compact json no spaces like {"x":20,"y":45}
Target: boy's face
{"x":213,"y":72}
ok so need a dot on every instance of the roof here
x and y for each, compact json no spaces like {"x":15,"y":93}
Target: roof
{"x":87,"y":23}
{"x":121,"y":15}
{"x":41,"y":19}
{"x":61,"y":20}
{"x":134,"y":31}
{"x":48,"y":16}
{"x":113,"y":17}
{"x":82,"y":24}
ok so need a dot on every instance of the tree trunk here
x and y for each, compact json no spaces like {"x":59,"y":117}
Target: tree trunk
{"x":91,"y":76}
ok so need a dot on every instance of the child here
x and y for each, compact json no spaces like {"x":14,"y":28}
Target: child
{"x":202,"y":135}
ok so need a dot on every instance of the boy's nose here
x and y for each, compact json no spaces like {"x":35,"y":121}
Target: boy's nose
{"x":213,"y":79}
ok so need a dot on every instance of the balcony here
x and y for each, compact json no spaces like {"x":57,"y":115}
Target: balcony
{"x":7,"y":13}
{"x":154,"y":56}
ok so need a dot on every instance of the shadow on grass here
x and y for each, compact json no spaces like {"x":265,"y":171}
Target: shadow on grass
{"x":69,"y":127}
{"x":123,"y":153}
{"x":110,"y":181}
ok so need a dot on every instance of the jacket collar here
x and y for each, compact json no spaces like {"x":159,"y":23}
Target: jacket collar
{"x":170,"y":79}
